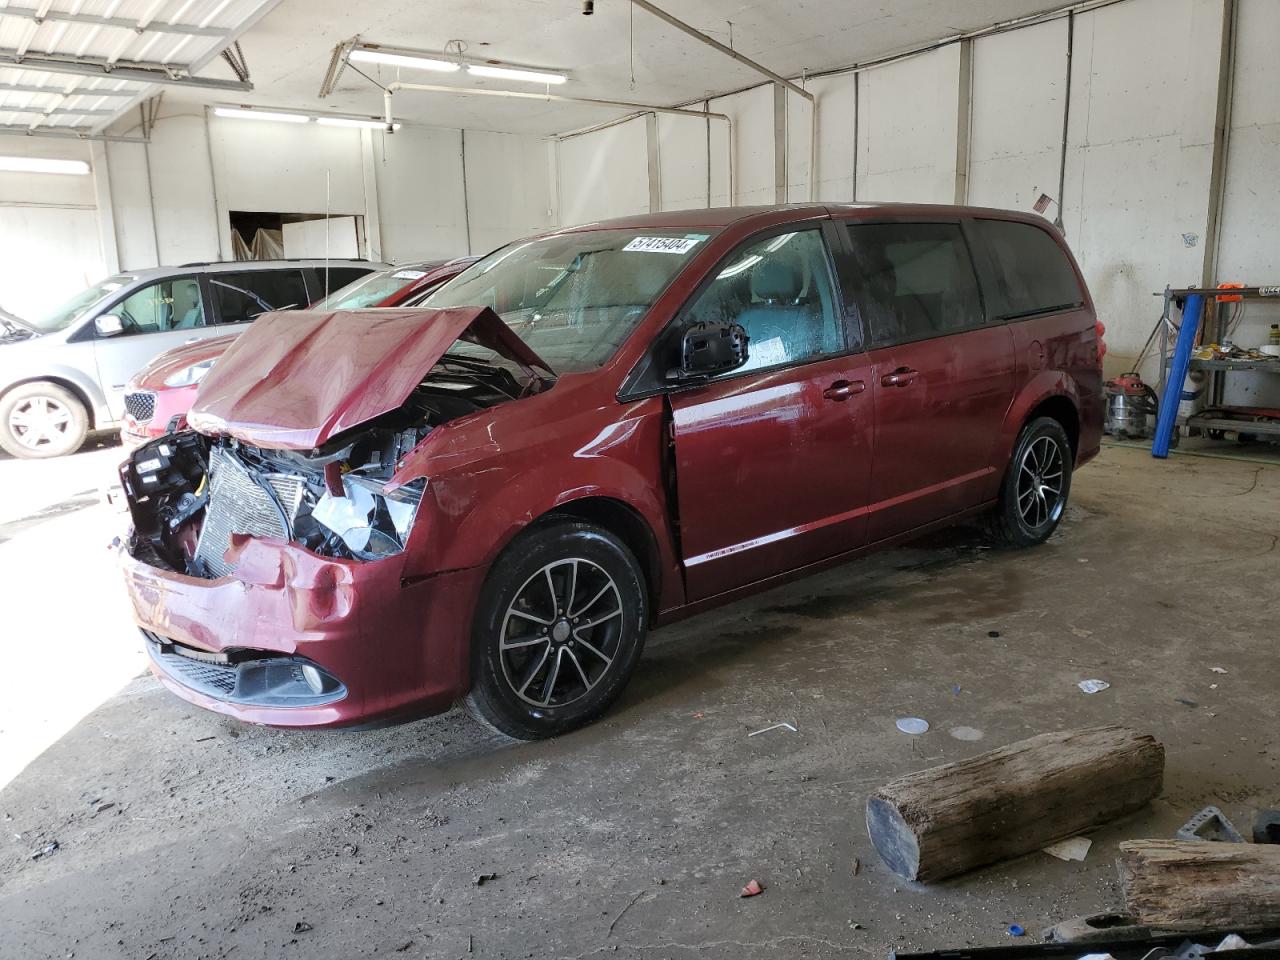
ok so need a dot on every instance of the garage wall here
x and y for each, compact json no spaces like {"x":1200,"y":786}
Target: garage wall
{"x":508,"y":188}
{"x":605,"y":173}
{"x":50,"y":246}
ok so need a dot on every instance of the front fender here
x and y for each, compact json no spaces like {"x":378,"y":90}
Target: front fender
{"x":471,"y":511}
{"x":86,"y":386}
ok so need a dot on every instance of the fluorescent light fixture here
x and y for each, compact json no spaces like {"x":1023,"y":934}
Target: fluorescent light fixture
{"x":413,"y":62}
{"x":510,"y":73}
{"x":42,"y":165}
{"x":247,"y":114}
{"x":353,"y":122}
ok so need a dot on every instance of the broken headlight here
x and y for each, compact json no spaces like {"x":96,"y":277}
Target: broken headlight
{"x":370,"y":521}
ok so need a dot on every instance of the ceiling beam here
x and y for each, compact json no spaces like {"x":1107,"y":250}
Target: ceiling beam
{"x":63,"y":133}
{"x":56,"y":16}
{"x":136,"y":73}
{"x":59,"y":92}
{"x":56,"y":111}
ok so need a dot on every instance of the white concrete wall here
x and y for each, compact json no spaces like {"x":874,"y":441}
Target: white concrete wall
{"x":604,"y":174}
{"x":421,"y":205}
{"x":907,"y":123}
{"x":508,"y":188}
{"x":49,"y":242}
{"x":1015,"y":133}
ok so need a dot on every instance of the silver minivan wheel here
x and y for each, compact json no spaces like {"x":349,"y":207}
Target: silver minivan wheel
{"x":41,"y":420}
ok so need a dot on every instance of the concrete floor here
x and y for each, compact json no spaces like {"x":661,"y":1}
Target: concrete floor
{"x":182,"y":835}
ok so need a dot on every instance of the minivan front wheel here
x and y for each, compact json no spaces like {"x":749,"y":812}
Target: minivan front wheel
{"x":560,"y":625}
{"x":1036,"y":484}
{"x":40,"y":420}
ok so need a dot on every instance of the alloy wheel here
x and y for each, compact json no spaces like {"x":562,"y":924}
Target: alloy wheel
{"x":39,"y":422}
{"x":561,"y":633}
{"x":1040,"y":478}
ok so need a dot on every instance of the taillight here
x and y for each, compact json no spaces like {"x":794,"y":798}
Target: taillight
{"x":1100,"y":329}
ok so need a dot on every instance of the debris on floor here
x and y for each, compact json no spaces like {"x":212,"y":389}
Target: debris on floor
{"x":1096,"y":926}
{"x":1005,"y":803}
{"x":777,"y":726}
{"x":484,"y":878}
{"x":970,"y":734}
{"x":1074,"y":848}
{"x":1210,"y":824}
{"x":752,"y":889}
{"x":1093,"y":686}
{"x":1016,"y":931}
{"x":913,"y":725}
{"x":46,"y":850}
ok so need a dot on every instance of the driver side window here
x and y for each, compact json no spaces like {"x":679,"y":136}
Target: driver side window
{"x":780,"y":290}
{"x":168,"y":305}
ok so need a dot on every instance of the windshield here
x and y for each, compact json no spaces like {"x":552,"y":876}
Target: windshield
{"x":372,"y":288}
{"x":75,"y":308}
{"x":573,"y":297}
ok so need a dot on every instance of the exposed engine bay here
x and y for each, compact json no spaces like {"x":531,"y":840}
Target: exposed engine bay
{"x":190,"y":494}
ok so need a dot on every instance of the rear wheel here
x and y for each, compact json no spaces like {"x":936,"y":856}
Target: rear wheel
{"x":560,"y":625}
{"x":1036,"y":484}
{"x":40,"y":420}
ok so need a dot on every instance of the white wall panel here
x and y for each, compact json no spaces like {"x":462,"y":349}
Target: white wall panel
{"x":508,"y":188}
{"x":837,"y":119}
{"x":1139,"y":157}
{"x":49,"y":243}
{"x":907,"y":126}
{"x":604,"y":174}
{"x":421,"y":206}
{"x":1015,"y":133}
{"x":186,"y":217}
{"x":682,"y":161}
{"x":753,"y":160}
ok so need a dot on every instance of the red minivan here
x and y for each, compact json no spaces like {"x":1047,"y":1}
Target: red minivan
{"x":493,"y":497}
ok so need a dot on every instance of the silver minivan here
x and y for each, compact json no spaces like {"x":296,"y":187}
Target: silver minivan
{"x":64,"y":374}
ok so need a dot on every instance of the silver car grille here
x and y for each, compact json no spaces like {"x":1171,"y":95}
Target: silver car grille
{"x":237,"y":504}
{"x":141,"y":405}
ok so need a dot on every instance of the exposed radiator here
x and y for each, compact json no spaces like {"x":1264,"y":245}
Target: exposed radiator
{"x":237,"y":504}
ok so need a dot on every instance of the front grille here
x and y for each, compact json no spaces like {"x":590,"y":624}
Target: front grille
{"x":238,"y":504}
{"x":214,"y":679}
{"x":141,"y":405}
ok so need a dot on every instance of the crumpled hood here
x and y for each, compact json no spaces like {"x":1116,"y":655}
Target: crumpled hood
{"x":296,"y":379}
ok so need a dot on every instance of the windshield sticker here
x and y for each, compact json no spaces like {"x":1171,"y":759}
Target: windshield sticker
{"x":679,"y":245}
{"x":409,"y":274}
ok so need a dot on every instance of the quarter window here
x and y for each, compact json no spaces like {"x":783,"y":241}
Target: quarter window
{"x":917,"y":280}
{"x":780,"y":290}
{"x":1032,"y":273}
{"x":167,"y":305}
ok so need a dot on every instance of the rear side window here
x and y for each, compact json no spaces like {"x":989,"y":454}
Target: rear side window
{"x":1030,"y":272}
{"x":916,"y":280}
{"x":243,"y":297}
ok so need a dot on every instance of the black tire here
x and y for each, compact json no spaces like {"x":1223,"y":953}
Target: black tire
{"x":516,"y":622}
{"x":1027,"y":512}
{"x":63,"y":421}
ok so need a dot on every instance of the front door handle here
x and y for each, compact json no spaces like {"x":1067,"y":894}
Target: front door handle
{"x":192,"y":340}
{"x":901,"y":377}
{"x":842,"y":390}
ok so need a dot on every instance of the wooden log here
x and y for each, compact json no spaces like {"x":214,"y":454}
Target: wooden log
{"x":1198,"y":884}
{"x":940,"y":822}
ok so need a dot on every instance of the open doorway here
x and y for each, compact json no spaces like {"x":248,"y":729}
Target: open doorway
{"x":295,"y":236}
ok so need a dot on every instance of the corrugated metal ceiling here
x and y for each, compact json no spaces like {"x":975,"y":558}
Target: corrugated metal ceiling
{"x":97,"y":36}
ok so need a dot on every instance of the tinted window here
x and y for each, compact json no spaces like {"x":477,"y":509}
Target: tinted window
{"x":338,"y":277}
{"x":916,"y":280}
{"x":243,"y":297}
{"x":167,"y":305}
{"x":780,"y":290}
{"x":1030,"y":270}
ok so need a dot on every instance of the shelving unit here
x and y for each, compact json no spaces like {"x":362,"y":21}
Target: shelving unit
{"x":1214,"y":321}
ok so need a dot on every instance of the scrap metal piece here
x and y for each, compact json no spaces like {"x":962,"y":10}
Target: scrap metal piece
{"x":1210,"y":824}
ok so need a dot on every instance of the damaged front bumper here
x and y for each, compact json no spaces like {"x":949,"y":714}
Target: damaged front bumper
{"x":299,"y":640}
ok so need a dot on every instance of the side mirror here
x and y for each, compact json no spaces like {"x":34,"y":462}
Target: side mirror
{"x":707,"y":349}
{"x":108,"y":325}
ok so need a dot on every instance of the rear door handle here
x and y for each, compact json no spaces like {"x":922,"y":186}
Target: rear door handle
{"x":901,"y":377}
{"x":842,"y":390}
